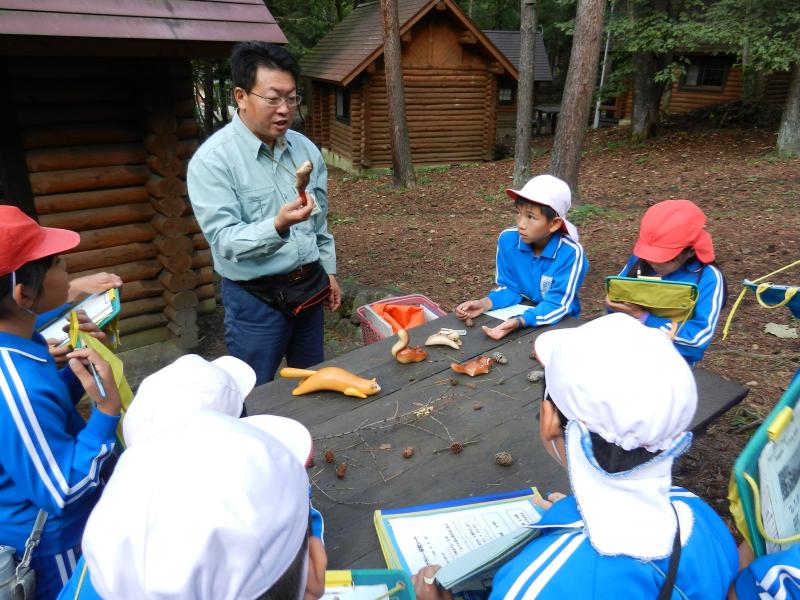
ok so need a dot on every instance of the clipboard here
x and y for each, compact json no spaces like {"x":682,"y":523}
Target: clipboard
{"x":744,"y":504}
{"x":101,"y":308}
{"x":397,"y":584}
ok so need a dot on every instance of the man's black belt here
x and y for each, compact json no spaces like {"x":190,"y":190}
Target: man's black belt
{"x":299,"y":273}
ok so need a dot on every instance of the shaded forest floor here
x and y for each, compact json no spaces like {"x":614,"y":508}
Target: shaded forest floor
{"x":439,"y":240}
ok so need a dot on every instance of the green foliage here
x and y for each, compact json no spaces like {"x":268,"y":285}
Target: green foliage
{"x":306,"y":22}
{"x":580,"y":215}
{"x":337,"y":219}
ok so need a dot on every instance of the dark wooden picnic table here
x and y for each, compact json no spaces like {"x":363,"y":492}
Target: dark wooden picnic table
{"x":549,"y":111}
{"x":419,"y":407}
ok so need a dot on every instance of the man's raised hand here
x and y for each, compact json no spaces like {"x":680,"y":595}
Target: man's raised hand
{"x":296,"y":211}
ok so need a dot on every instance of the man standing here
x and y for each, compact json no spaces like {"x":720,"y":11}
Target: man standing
{"x":269,"y":240}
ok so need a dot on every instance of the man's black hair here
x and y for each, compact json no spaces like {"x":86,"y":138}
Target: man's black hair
{"x":548,"y":212}
{"x":247,"y":57}
{"x":30,"y":274}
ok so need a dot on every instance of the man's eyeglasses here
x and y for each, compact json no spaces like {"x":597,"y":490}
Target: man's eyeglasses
{"x":275,"y":101}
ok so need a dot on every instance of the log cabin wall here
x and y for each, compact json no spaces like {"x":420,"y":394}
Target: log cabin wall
{"x":683,"y":99}
{"x":450,"y":99}
{"x":106,"y":144}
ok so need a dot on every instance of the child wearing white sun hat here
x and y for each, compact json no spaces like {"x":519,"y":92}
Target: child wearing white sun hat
{"x":618,"y":403}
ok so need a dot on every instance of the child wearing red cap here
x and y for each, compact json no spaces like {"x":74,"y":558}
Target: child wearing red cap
{"x":50,"y":458}
{"x":674,"y":246}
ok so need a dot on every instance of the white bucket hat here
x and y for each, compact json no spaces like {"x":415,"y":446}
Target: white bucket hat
{"x":550,"y":191}
{"x":167,"y":397}
{"x":625,"y":382}
{"x":217,"y":510}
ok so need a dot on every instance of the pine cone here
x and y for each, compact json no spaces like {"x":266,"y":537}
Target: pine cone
{"x":329,"y":455}
{"x":456,"y":447}
{"x":504,"y":459}
{"x":341,"y":470}
{"x":408,"y":452}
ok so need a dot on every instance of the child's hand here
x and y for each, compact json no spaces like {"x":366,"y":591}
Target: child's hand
{"x":551,"y":499}
{"x":92,"y":284}
{"x":425,"y":586}
{"x":503,"y":329}
{"x":628,"y":308}
{"x":59,"y":353}
{"x":79,"y":363}
{"x":90,"y":327}
{"x":472,"y":308}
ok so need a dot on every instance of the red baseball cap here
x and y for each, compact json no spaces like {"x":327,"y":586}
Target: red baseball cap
{"x":670,"y":226}
{"x":23,"y":240}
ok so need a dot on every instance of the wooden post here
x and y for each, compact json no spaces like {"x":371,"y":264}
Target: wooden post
{"x":522,"y":152}
{"x":169,"y":142}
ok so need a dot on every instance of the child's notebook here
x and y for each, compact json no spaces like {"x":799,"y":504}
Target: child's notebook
{"x":469,"y":537}
{"x":100,"y":308}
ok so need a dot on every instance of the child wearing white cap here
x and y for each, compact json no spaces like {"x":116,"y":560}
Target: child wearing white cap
{"x":196,"y":486}
{"x":539,"y":260}
{"x":618,"y":402}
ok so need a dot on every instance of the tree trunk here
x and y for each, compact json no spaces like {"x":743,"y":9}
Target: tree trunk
{"x":577,"y":99}
{"x":208,"y":103}
{"x":645,"y":96}
{"x":402,"y":167}
{"x":522,"y":152}
{"x":789,"y":132}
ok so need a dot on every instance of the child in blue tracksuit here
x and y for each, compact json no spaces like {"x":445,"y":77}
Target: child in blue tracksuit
{"x":674,"y":246}
{"x":618,"y":402}
{"x":50,"y":459}
{"x":539,"y":260}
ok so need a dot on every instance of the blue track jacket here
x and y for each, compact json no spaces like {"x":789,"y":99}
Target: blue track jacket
{"x":551,"y":281}
{"x":771,"y":576}
{"x":562,"y":563}
{"x":50,"y":458}
{"x":695,"y":335}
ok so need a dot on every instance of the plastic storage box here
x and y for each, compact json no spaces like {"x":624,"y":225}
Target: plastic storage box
{"x":374,"y":328}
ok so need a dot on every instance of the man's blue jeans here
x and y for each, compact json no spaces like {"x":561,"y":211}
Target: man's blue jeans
{"x":261,"y":335}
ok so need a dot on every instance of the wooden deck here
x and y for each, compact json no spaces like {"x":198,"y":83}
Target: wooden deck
{"x":381,"y":478}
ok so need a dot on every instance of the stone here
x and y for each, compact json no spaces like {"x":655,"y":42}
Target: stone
{"x":535,"y":376}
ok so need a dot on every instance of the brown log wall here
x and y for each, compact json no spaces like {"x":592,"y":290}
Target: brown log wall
{"x":450,"y":115}
{"x":107,"y":143}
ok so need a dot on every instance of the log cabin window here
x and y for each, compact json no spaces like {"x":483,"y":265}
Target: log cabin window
{"x":343,"y":105}
{"x":505,"y":95}
{"x":706,"y":73}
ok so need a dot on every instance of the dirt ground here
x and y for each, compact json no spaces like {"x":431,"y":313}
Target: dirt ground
{"x":439,"y":240}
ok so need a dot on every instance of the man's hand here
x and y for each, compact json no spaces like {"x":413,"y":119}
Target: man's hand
{"x":472,"y":308}
{"x":92,"y":284}
{"x":296,"y":211}
{"x":425,"y":586}
{"x":334,"y":301}
{"x":503,"y":329}
{"x":628,"y":308}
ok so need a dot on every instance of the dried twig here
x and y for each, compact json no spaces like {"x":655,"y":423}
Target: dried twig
{"x":506,"y":395}
{"x":332,"y":499}
{"x":450,"y":448}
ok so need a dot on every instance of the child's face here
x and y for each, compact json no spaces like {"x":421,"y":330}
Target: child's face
{"x":665,"y":268}
{"x":533,"y":226}
{"x":55,"y":288}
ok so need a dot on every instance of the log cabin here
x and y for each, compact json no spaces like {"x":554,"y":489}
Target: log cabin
{"x":98,"y":125}
{"x":711,"y":77}
{"x":460,"y":88}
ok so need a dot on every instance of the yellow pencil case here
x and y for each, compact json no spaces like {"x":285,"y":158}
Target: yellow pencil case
{"x":673,"y":300}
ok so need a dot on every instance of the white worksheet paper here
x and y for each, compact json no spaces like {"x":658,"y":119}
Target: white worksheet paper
{"x":438,"y":538}
{"x":508,"y":312}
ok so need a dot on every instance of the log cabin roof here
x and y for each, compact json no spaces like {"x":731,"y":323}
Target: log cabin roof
{"x":508,"y":43}
{"x":172,"y":20}
{"x":357,"y":40}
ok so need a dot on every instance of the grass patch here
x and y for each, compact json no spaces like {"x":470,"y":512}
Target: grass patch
{"x":423,"y":180}
{"x":580,"y":215}
{"x":339,"y":219}
{"x":433,"y":169}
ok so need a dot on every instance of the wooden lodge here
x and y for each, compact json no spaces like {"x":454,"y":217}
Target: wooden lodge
{"x":459,"y":87}
{"x":98,"y":124}
{"x":710,"y":78}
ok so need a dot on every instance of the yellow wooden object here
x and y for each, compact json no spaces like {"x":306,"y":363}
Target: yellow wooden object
{"x":331,"y":379}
